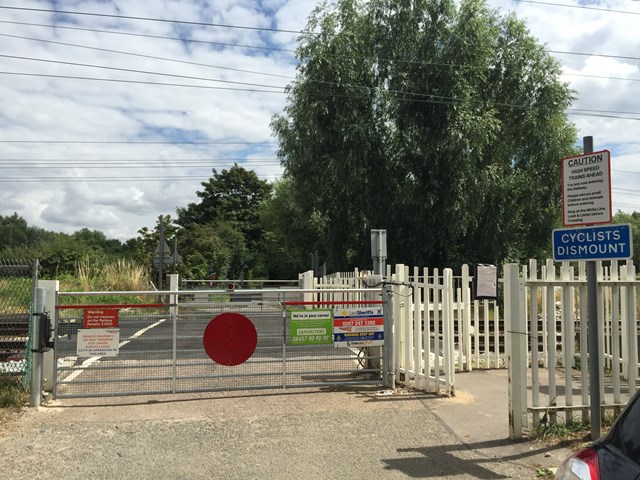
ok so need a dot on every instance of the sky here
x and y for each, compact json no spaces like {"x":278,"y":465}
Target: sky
{"x":77,"y":152}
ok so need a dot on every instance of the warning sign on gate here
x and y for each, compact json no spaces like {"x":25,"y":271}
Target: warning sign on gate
{"x":98,"y":342}
{"x":100,"y":317}
{"x":358,"y":327}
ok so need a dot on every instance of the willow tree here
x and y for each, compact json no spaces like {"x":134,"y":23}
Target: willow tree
{"x":442,"y":122}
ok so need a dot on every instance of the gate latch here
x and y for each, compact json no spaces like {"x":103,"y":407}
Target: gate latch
{"x":43,"y":342}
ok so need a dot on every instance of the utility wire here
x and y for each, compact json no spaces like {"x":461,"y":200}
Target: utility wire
{"x":146,"y":35}
{"x":627,"y":205}
{"x":626,"y":191}
{"x":136,"y":142}
{"x":172,"y":178}
{"x":586,"y":54}
{"x":583,"y":7}
{"x":152,"y":19}
{"x":253,"y":72}
{"x":435,"y":99}
{"x":107,"y":166}
{"x":259,"y":47}
{"x":120,"y":52}
{"x":139,"y":82}
{"x":282,"y":88}
{"x":155,"y":160}
{"x":146,"y":72}
{"x":602,"y":77}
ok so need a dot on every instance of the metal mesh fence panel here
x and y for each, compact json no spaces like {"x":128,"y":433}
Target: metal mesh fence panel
{"x":131,"y":355}
{"x":16,"y":285}
{"x":160,"y":349}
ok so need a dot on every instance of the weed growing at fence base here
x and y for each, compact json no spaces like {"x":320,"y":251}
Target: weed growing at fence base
{"x":12,"y":394}
{"x":562,"y":432}
{"x":573,"y":434}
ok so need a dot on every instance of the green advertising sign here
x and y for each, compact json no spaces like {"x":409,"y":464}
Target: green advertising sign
{"x":311,"y":327}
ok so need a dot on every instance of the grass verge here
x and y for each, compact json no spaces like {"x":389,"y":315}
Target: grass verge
{"x":12,"y":394}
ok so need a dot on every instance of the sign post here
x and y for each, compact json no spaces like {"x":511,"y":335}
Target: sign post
{"x":592,"y":329}
{"x":586,"y":200}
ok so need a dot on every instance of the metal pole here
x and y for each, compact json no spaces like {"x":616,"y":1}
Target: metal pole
{"x":161,"y":253}
{"x":389,"y":363}
{"x":35,"y":397}
{"x":594,"y":344}
{"x":175,"y":253}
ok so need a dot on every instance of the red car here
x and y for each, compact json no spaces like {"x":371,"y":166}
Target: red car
{"x":616,"y":456}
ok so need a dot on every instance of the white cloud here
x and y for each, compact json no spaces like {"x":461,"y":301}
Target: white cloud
{"x":39,"y":108}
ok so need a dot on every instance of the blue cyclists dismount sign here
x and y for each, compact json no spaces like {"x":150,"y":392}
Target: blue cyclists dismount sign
{"x":608,"y":242}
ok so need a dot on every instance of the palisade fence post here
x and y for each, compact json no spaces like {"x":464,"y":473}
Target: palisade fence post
{"x":516,"y":329}
{"x":389,"y":354}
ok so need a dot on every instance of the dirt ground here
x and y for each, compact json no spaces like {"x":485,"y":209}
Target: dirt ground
{"x":308,"y":433}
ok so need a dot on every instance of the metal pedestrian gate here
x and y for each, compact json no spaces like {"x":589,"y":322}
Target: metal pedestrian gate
{"x":156,"y":344}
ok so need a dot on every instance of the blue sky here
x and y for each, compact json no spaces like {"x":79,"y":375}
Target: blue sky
{"x":119,"y":188}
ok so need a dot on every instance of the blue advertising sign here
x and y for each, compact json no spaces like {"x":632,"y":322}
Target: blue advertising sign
{"x":608,"y":242}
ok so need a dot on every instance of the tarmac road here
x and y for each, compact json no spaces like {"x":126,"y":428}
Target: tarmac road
{"x":305,"y":434}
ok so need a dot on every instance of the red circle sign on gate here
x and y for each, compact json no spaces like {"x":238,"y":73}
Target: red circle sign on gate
{"x":230,"y":339}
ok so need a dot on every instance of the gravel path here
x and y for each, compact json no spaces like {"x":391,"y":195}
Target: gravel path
{"x":302,"y":434}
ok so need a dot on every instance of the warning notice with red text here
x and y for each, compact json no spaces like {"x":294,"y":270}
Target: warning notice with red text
{"x":101,"y":317}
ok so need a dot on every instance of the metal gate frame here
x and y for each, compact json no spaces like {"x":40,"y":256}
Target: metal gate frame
{"x":160,"y":346}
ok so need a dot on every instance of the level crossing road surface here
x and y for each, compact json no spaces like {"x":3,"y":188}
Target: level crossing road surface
{"x":344,"y":433}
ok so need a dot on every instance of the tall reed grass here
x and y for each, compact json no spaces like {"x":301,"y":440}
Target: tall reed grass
{"x":116,"y":275}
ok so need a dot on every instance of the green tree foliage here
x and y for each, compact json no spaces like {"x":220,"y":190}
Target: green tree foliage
{"x":18,"y":237}
{"x":442,"y":123}
{"x":99,"y":242}
{"x":58,"y":253}
{"x":143,"y":246}
{"x":634,"y":220}
{"x":290,"y":234}
{"x":230,"y":208}
{"x":219,"y":249}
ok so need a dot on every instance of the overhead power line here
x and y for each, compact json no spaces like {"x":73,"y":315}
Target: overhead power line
{"x":240,"y":70}
{"x":146,"y":35}
{"x":145,"y":72}
{"x":626,"y":191}
{"x":170,"y":178}
{"x":139,"y":82}
{"x":139,"y":142}
{"x":126,"y":166}
{"x":428,"y":98}
{"x":275,"y":49}
{"x":582,"y":7}
{"x":154,"y":160}
{"x":152,"y":19}
{"x":626,"y":205}
{"x":141,"y":55}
